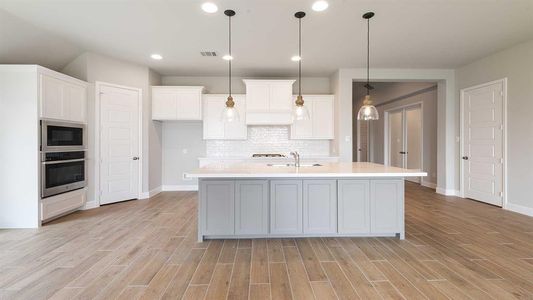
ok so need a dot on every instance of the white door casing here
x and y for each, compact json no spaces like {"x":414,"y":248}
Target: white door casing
{"x":119,"y":115}
{"x":482,"y":142}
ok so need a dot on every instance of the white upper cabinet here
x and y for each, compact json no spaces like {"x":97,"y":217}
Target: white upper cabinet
{"x":214,"y":127}
{"x":177,"y":102}
{"x":268,"y":102}
{"x":64,"y":100}
{"x":321,"y":122}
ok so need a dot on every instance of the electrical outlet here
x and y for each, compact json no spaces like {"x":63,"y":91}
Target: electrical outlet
{"x":184,"y":177}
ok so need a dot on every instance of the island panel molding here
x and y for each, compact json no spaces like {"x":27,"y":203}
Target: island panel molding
{"x":337,"y":199}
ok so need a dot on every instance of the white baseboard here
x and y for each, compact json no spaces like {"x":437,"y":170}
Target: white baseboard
{"x":191,"y":187}
{"x":428,"y":184}
{"x":528,"y":211}
{"x":151,"y":193}
{"x":90,"y":205}
{"x":447,"y":192}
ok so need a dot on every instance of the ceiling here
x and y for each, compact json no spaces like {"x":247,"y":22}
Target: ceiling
{"x":404,"y":34}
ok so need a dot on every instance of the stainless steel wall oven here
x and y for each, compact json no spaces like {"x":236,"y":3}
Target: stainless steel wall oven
{"x":62,"y":172}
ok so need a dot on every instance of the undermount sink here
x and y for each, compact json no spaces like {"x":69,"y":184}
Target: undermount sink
{"x":293,"y":165}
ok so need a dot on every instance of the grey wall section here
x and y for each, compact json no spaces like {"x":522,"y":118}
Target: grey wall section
{"x":515,"y":64}
{"x":219,"y":84}
{"x":390,"y":95}
{"x":183,"y":144}
{"x":93,"y":67}
{"x":155,"y":139}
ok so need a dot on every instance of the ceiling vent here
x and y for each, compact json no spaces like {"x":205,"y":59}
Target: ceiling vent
{"x":208,"y":53}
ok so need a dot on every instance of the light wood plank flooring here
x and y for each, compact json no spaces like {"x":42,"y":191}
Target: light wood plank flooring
{"x":455,"y":249}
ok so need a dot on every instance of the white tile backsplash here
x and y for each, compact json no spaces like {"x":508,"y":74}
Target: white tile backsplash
{"x":266,"y":139}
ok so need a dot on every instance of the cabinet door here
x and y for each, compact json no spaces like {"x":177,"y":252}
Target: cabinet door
{"x":319,"y":206}
{"x":164,"y":105}
{"x":52,"y":98}
{"x":76,"y":97}
{"x":251,"y":207}
{"x":237,"y":130}
{"x":322,"y":118}
{"x":286,"y":207}
{"x":257,"y":98}
{"x":217,"y":198}
{"x":386,"y":198}
{"x":213,"y":125}
{"x":280,"y":97}
{"x":189,"y":105}
{"x":354,"y":206}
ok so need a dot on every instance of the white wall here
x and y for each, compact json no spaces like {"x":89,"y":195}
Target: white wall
{"x":515,"y":64}
{"x":19,"y":148}
{"x":342,"y":84}
{"x":155,"y":140}
{"x":219,"y":84}
{"x":391,"y":95}
{"x":93,"y":67}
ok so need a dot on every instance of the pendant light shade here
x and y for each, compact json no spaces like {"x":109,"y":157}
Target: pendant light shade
{"x":230,"y":113}
{"x":368,"y":111}
{"x":300,"y":112}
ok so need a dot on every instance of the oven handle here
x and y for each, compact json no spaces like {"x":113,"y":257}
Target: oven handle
{"x":62,"y":161}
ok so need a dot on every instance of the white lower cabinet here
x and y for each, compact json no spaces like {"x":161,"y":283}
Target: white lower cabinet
{"x":354,"y":206}
{"x":386,"y":210}
{"x":56,"y":206}
{"x":319,"y":206}
{"x":217,"y":199}
{"x":251,"y":207}
{"x":286,"y":207}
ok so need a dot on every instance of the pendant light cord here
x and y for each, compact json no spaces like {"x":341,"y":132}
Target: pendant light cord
{"x":300,"y":55}
{"x":229,"y":61}
{"x":368,"y":57}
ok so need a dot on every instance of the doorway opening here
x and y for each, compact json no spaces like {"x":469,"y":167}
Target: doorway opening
{"x":406,"y":133}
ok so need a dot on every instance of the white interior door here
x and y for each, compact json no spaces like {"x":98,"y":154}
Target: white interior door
{"x":362,"y":141}
{"x":119,"y":143}
{"x":413,"y":140}
{"x":483,"y":143}
{"x":396,"y":139}
{"x":405,"y":139}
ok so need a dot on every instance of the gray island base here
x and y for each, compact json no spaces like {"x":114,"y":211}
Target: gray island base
{"x":334,"y":200}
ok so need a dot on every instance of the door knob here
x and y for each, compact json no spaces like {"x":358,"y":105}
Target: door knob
{"x":465,"y":157}
{"x":135,"y":158}
{"x":403,"y":152}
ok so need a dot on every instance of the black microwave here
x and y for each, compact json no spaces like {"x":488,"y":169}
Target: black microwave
{"x":59,"y":136}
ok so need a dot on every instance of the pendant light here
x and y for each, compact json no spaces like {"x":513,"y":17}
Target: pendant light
{"x":300,"y":112}
{"x":230,"y":113}
{"x":368,"y":111}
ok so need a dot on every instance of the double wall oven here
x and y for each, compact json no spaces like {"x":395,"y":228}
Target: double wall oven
{"x":63,"y":165}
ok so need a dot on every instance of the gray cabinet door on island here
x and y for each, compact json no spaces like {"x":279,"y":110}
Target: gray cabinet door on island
{"x":386,"y":211}
{"x":320,"y":206}
{"x":251,"y":207}
{"x":286,"y":207}
{"x":354,"y":206}
{"x":217,"y":199}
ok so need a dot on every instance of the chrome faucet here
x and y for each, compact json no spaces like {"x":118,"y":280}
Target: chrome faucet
{"x":296,"y":156}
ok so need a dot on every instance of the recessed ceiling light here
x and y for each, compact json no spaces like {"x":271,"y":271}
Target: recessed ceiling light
{"x":156,"y":56}
{"x":210,"y":7}
{"x":227,"y":57}
{"x":296,"y":58}
{"x":320,"y":5}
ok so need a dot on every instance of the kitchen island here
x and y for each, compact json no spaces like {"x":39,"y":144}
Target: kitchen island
{"x":281,"y":200}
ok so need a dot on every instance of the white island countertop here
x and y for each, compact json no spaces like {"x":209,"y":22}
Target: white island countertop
{"x":258,"y":170}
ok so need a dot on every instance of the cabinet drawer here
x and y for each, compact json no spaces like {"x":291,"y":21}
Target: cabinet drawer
{"x":56,"y":205}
